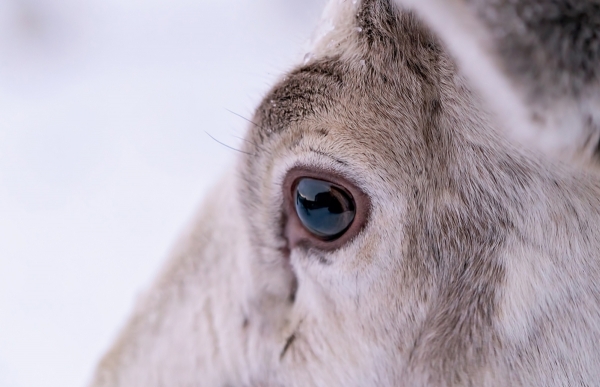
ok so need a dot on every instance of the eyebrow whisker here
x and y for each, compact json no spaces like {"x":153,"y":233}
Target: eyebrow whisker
{"x":228,"y":146}
{"x":250,"y":142}
{"x":245,"y":119}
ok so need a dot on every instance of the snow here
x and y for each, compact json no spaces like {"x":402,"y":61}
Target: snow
{"x":106,"y":107}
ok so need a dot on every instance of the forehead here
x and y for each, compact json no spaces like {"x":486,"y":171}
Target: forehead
{"x":373,"y":102}
{"x":382,"y":74}
{"x":349,"y":108}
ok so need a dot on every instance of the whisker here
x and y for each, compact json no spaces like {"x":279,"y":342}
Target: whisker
{"x":227,"y":146}
{"x":250,"y":142}
{"x":245,"y":119}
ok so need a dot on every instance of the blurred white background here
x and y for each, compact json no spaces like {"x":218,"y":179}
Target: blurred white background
{"x":104,"y":155}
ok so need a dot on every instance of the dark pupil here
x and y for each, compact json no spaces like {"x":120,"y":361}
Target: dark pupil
{"x":324,"y":209}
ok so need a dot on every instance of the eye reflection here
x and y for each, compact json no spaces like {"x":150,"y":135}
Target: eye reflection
{"x":325,"y":209}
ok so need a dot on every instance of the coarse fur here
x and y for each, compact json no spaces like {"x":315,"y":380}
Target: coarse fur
{"x":479,"y":260}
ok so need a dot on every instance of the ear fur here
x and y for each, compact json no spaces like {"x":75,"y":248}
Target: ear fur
{"x":536,"y":62}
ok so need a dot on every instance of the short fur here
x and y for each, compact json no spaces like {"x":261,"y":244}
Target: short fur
{"x":478,"y":265}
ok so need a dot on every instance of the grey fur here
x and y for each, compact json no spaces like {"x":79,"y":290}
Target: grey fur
{"x":551,"y":47}
{"x":547,"y":51}
{"x":478,"y":265}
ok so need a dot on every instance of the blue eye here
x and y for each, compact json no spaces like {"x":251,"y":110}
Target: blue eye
{"x":325,"y":209}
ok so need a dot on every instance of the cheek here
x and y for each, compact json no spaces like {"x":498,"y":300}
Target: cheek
{"x":359,"y":297}
{"x":327,"y":290}
{"x":367,"y":288}
{"x":339,"y":277}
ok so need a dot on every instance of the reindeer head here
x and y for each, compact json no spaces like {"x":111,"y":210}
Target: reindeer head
{"x":381,"y":229}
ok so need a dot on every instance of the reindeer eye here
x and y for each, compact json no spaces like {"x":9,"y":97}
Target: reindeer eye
{"x":324,"y":209}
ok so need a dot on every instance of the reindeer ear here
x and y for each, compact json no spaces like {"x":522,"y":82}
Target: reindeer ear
{"x":536,"y":62}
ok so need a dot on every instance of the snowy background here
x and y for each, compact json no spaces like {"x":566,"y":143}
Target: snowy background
{"x":105,"y":106}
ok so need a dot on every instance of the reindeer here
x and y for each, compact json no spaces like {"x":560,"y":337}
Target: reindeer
{"x":418,"y":204}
